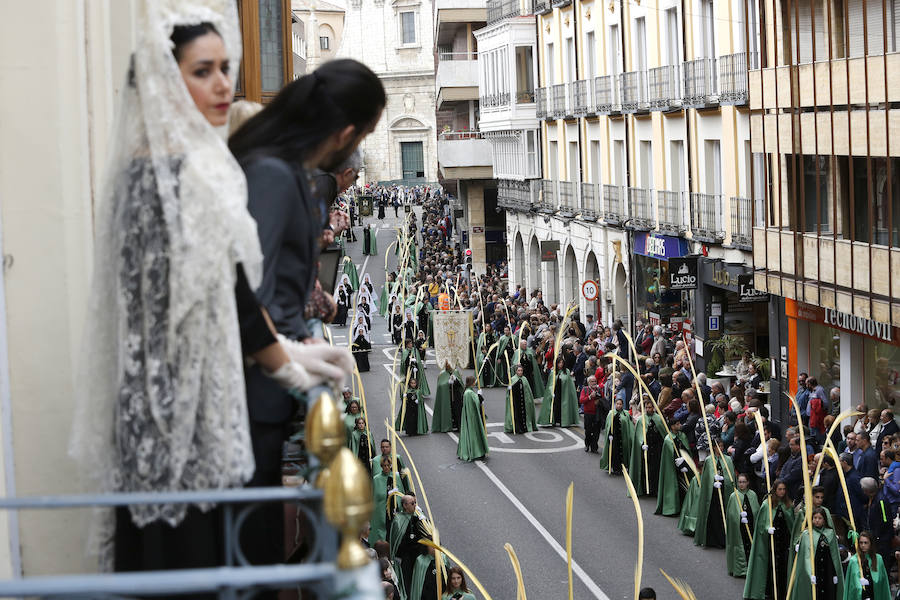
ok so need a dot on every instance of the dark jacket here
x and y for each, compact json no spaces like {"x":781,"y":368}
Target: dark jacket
{"x":868,"y":463}
{"x":792,"y":474}
{"x":890,"y":429}
{"x":857,"y":498}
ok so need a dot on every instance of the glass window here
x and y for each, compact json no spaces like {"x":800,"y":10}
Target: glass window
{"x":323,"y":42}
{"x":825,"y":356}
{"x":408,"y":26}
{"x":882,"y":374}
{"x":271,"y":41}
{"x":524,"y":75}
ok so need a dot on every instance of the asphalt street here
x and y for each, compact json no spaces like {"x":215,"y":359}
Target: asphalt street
{"x":517,"y":495}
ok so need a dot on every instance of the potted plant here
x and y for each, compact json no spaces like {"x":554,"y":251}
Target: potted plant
{"x":728,"y":347}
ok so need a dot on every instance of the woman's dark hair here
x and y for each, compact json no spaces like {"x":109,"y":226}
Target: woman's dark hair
{"x":182,"y":35}
{"x":307,"y":110}
{"x":871,"y":553}
{"x":459,"y":572}
{"x":385,"y":564}
{"x":742,"y":432}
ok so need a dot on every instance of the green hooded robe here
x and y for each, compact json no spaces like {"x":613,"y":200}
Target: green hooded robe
{"x":420,"y":364}
{"x":372,"y":247}
{"x":384,"y":298}
{"x":687,"y":520}
{"x":622,"y":442}
{"x":759,"y":569}
{"x":463,"y":596}
{"x":407,"y":404}
{"x":384,"y":507}
{"x":737,"y":532}
{"x":501,"y":369}
{"x":668,"y":496}
{"x":473,"y":443}
{"x":350,"y":271}
{"x":534,"y":373}
{"x":442,"y":418}
{"x":488,"y":377}
{"x":800,"y":523}
{"x":827,"y":566}
{"x":876,"y":575}
{"x":708,"y":509}
{"x":568,"y":401}
{"x":509,"y":422}
{"x":425,"y":569}
{"x":636,"y":466}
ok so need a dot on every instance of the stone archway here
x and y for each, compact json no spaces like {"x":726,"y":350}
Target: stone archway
{"x":534,"y":265}
{"x":519,"y":260}
{"x":571,"y":279}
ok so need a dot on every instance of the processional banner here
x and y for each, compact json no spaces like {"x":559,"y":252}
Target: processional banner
{"x":452,"y":337}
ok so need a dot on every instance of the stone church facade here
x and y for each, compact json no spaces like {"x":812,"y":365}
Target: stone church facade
{"x":395,"y":38}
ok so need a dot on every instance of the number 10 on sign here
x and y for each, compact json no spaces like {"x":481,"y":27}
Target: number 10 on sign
{"x":590,"y":290}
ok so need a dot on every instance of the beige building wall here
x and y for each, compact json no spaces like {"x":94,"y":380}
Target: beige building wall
{"x":320,"y":19}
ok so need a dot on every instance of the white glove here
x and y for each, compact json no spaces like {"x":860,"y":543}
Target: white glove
{"x":743,"y":514}
{"x":610,"y":438}
{"x":812,"y":579}
{"x":717,"y":484}
{"x":292,"y":376}
{"x":679,"y":461}
{"x":863,"y":582}
{"x":393,"y":490}
{"x":684,"y":469}
{"x":719,"y":478}
{"x":328,"y":362}
{"x":771,"y":530}
{"x":645,"y":447}
{"x":744,"y":520}
{"x":835,"y":579}
{"x":797,"y":548}
{"x":509,"y":388}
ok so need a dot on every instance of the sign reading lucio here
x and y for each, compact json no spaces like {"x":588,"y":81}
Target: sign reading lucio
{"x":683,"y":273}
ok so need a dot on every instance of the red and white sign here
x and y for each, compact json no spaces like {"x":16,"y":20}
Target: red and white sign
{"x":590,"y":290}
{"x":477,"y":229}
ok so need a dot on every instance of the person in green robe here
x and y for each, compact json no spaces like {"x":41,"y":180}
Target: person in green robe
{"x":716,"y":485}
{"x":473,"y":443}
{"x":407,"y":528}
{"x":385,"y":446}
{"x":412,"y":419}
{"x":424,"y":577}
{"x":618,"y":435}
{"x":519,"y":404}
{"x":385,"y":295}
{"x":673,"y":475}
{"x":649,"y":433}
{"x":818,"y":498}
{"x":560,"y":405}
{"x":740,"y":514}
{"x":505,"y":352}
{"x":351,"y":272}
{"x":866,"y":579}
{"x":361,"y":443}
{"x":687,"y":520}
{"x":525,"y":356}
{"x":385,"y":504}
{"x":483,"y":353}
{"x":457,"y":589}
{"x":413,"y":367}
{"x":370,"y":243}
{"x":447,"y":400}
{"x":351,"y":413}
{"x":825,"y":572}
{"x":775,"y":509}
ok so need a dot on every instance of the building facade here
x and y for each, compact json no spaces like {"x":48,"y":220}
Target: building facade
{"x":827,"y":228}
{"x":396,"y":40}
{"x":323,"y":24}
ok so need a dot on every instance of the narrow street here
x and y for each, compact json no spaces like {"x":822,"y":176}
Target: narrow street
{"x":518,"y":496}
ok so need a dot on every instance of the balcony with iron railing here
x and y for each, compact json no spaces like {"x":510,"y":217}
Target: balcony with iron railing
{"x":580,"y":95}
{"x":542,"y":7}
{"x":590,"y":204}
{"x":741,"y":223}
{"x":614,"y":212}
{"x":670,"y":211}
{"x":547,"y":201}
{"x":706,"y":218}
{"x":559,"y":106}
{"x":700,"y":83}
{"x":733,"y":77}
{"x":497,"y":10}
{"x":568,"y":201}
{"x":498,"y":100}
{"x":560,"y":3}
{"x":606,"y":95}
{"x":640,"y":208}
{"x":634,"y":91}
{"x":664,"y":87}
{"x":542,"y":103}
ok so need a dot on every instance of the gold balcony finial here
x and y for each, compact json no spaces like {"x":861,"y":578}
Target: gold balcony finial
{"x":348,"y":505}
{"x":326,"y":433}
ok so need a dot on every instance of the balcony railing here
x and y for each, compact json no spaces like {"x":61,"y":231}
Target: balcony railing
{"x":706,"y":217}
{"x":733,"y":87}
{"x":547,"y":199}
{"x":515,"y":195}
{"x":590,"y":201}
{"x":497,"y":10}
{"x":541,"y":7}
{"x":606,"y":95}
{"x":665,"y":87}
{"x":558,"y":95}
{"x":613,"y":204}
{"x":582,"y":103}
{"x":568,"y":202}
{"x":494,"y":100}
{"x":634,"y":91}
{"x":541,"y":101}
{"x":670,"y":211}
{"x":461,"y":135}
{"x":561,"y":3}
{"x":444,"y":56}
{"x":700,"y":86}
{"x":525,"y":97}
{"x":640,"y":208}
{"x":741,"y":223}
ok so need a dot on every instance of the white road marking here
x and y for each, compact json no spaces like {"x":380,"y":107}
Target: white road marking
{"x":504,"y":439}
{"x":534,"y":436}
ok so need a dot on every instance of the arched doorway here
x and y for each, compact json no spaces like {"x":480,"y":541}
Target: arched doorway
{"x":571,"y":279}
{"x":592,"y":272}
{"x":519,"y":259}
{"x":534,"y":265}
{"x":620,"y":296}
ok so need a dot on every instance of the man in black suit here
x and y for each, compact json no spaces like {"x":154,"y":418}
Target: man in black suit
{"x":888,"y":427}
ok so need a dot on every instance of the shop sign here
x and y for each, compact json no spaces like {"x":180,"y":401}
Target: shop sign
{"x":881,"y":332}
{"x":654,"y":319}
{"x":549,"y":250}
{"x":683,"y":273}
{"x":722,"y":277}
{"x":662,"y":247}
{"x":477,"y":229}
{"x":748,"y":292}
{"x":714,"y":323}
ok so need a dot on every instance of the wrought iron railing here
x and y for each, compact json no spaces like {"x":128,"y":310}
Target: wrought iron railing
{"x":664,"y":87}
{"x":516,"y":195}
{"x":497,"y":10}
{"x":634,"y":91}
{"x":706,"y":217}
{"x":670,"y":211}
{"x":640,"y":208}
{"x":568,"y":202}
{"x":733,"y":79}
{"x":541,"y":7}
{"x":561,"y":3}
{"x":541,"y":101}
{"x":741,"y":223}
{"x":606,"y":95}
{"x":700,"y":85}
{"x":461,"y":135}
{"x":558,"y":95}
{"x":445,"y":55}
{"x":590,"y":201}
{"x":580,"y":94}
{"x":613,"y":204}
{"x":547,"y":200}
{"x":525,"y":97}
{"x":494,"y":100}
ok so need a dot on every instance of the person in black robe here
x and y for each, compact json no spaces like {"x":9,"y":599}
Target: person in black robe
{"x":422,"y":318}
{"x":397,"y":325}
{"x":519,"y":413}
{"x":361,"y":348}
{"x":456,"y":401}
{"x":343,"y":303}
{"x":421,"y":344}
{"x":367,"y":233}
{"x":410,"y":408}
{"x":654,"y":440}
{"x":381,"y":210}
{"x":409,"y":327}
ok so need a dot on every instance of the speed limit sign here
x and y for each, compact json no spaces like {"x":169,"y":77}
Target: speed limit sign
{"x":590,"y":290}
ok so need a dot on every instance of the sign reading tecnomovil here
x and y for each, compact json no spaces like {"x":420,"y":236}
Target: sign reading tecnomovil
{"x":876,"y":330}
{"x":683,"y":273}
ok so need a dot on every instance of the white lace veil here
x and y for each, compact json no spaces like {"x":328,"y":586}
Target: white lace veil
{"x":162,"y":403}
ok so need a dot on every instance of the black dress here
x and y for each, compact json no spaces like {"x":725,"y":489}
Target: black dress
{"x":654,"y":442}
{"x":520,"y":419}
{"x":361,"y":348}
{"x":396,"y":328}
{"x":456,"y":402}
{"x":342,"y":308}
